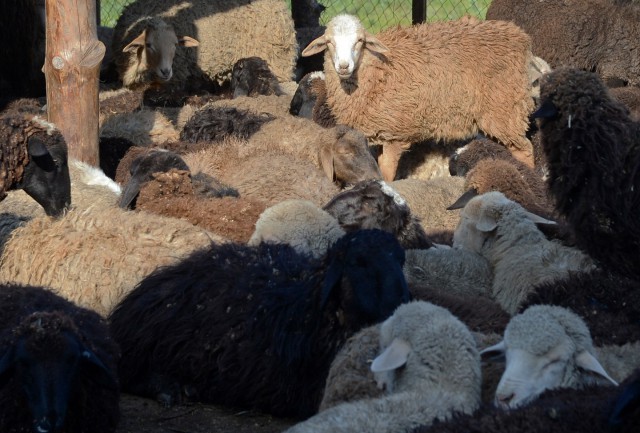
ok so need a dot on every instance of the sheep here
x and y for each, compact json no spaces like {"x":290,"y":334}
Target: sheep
{"x":58,"y":365}
{"x":440,"y":375}
{"x":143,"y":128}
{"x":594,"y":35}
{"x":546,"y":347}
{"x":261,"y":105}
{"x":214,"y":123}
{"x":226,"y":31}
{"x":267,"y":176}
{"x":34,"y":159}
{"x":264,"y":308}
{"x":341,"y":152}
{"x":94,"y":256}
{"x":374,"y":204}
{"x":591,"y":146}
{"x":251,"y":76}
{"x":310,"y":100}
{"x":429,"y":200}
{"x":299,"y":223}
{"x":395,"y":114}
{"x":505,"y":234}
{"x":625,"y":416}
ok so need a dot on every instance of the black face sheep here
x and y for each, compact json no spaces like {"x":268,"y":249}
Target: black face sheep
{"x":57,"y":365}
{"x":251,"y":76}
{"x":374,"y":204}
{"x":310,"y":100}
{"x":593,"y":153}
{"x":372,"y":83}
{"x":33,"y":157}
{"x":255,"y":326}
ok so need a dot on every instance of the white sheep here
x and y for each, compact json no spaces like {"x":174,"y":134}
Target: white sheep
{"x":227,"y":30}
{"x":520,"y":255}
{"x":546,"y":347}
{"x":429,"y":367}
{"x":444,"y":80}
{"x":300,"y":223}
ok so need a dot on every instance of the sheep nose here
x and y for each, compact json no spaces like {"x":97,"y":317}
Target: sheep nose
{"x":503,"y":400}
{"x":165,"y":72}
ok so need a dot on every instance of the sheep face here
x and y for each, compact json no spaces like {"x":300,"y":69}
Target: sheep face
{"x":545,"y":347}
{"x":46,"y":176}
{"x":155,"y":49}
{"x":44,"y":361}
{"x":345,"y":39}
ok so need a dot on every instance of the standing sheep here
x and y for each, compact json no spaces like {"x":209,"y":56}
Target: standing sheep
{"x":227,"y":30}
{"x":444,"y":80}
{"x":57,"y":365}
{"x":255,"y":326}
{"x":33,"y":157}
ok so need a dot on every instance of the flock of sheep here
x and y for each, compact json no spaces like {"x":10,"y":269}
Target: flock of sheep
{"x":438,"y":232}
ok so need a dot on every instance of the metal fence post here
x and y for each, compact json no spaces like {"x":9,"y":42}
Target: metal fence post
{"x":418,"y":11}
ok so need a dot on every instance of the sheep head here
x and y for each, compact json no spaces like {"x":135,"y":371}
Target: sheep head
{"x":545,"y":347}
{"x":155,"y":49}
{"x":345,"y":39}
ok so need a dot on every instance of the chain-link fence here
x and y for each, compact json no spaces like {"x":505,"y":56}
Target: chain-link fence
{"x":374,"y":14}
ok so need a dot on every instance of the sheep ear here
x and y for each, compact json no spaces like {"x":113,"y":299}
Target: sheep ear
{"x":129,"y":193}
{"x":326,"y":162}
{"x":374,"y":45}
{"x":495,"y":352}
{"x":464,"y":199}
{"x":136,"y":43}
{"x":394,"y":356}
{"x":546,"y":110}
{"x":316,"y":46}
{"x":188,"y":41}
{"x":587,"y":361}
{"x":104,"y":376}
{"x":538,"y":219}
{"x":486,"y":223}
{"x":36,"y":147}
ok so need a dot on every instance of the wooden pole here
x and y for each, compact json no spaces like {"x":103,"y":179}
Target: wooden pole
{"x":72,"y":69}
{"x":418,"y":11}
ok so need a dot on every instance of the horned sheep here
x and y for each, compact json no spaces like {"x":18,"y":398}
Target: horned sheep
{"x":225,"y":30}
{"x":395,"y":115}
{"x":58,"y":364}
{"x":262,"y":311}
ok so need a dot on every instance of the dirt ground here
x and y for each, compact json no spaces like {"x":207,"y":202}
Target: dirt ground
{"x":140,"y":415}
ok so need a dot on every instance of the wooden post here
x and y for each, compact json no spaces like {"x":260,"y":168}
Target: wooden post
{"x":72,"y":69}
{"x":418,"y":11}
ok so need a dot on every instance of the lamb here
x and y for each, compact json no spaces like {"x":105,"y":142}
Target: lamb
{"x":395,"y":115}
{"x":440,"y":376}
{"x":226,"y":30}
{"x":593,"y":35}
{"x":374,"y":204}
{"x":546,"y":347}
{"x":58,"y":364}
{"x":299,"y":223}
{"x":341,"y":152}
{"x":34,"y":158}
{"x":505,"y":234}
{"x":251,"y":76}
{"x":591,"y":145}
{"x":99,"y":253}
{"x":261,"y":311}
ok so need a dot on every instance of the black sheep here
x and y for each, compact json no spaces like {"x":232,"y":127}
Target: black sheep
{"x":373,"y":204}
{"x":257,"y":326}
{"x":217,"y":123}
{"x":57,"y":365}
{"x":251,"y":76}
{"x":593,"y":152}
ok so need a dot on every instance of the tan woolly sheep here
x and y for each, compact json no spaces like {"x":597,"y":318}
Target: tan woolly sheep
{"x":445,"y":80}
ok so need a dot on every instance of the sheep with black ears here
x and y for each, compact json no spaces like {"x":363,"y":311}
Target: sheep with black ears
{"x":440,"y":375}
{"x":592,"y":148}
{"x":58,"y":365}
{"x":356,"y":63}
{"x":226,"y":31}
{"x":239,"y":313}
{"x":505,"y":234}
{"x":34,"y":158}
{"x":310,"y":100}
{"x":593,"y":35}
{"x":374,"y":204}
{"x":251,"y":76}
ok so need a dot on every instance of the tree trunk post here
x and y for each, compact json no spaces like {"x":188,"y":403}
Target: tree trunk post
{"x":72,"y":71}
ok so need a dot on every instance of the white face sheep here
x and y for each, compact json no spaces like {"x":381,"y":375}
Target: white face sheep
{"x":409,"y":85}
{"x":545,"y":347}
{"x":152,"y":53}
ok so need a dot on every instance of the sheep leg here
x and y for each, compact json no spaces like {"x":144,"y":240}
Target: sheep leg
{"x":388,"y":160}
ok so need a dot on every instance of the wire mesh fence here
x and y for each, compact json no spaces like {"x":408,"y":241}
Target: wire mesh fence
{"x":374,"y":14}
